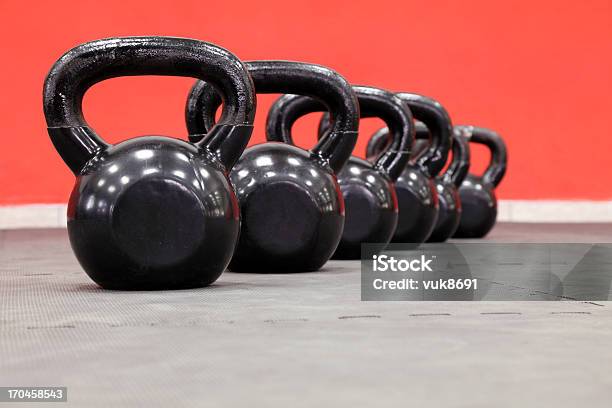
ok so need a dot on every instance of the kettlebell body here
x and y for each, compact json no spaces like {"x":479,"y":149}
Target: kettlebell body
{"x":477,"y":193}
{"x":418,"y":204}
{"x":449,"y":212}
{"x":291,"y":210}
{"x":479,"y":208}
{"x":151,"y":212}
{"x":447,"y":185}
{"x":367,"y":188}
{"x":416,"y":190}
{"x":449,"y":206}
{"x":371,"y":207}
{"x":291,"y":205}
{"x":174,"y":227}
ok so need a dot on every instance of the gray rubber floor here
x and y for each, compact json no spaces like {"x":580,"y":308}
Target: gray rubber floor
{"x":298,"y":340}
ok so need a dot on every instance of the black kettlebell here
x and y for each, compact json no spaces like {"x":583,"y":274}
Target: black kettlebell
{"x":150,"y":212}
{"x":478,"y":192}
{"x":291,"y":204}
{"x":416,"y":191}
{"x":368,"y":190}
{"x":447,"y":183}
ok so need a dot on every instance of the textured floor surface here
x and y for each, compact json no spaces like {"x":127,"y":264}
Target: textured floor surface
{"x":298,"y":340}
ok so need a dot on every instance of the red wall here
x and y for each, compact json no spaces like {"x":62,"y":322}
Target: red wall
{"x":536,"y":71}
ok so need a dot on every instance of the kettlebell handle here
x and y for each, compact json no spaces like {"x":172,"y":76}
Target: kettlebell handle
{"x":85,"y":65}
{"x":458,"y":168}
{"x":321,"y":83}
{"x":373,"y":102}
{"x":496,"y":168}
{"x":437,"y":120}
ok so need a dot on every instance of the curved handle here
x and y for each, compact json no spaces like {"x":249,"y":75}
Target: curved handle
{"x":437,"y":120}
{"x":92,"y":62}
{"x":285,"y":111}
{"x":321,"y":83}
{"x":380,"y":140}
{"x":496,"y":169}
{"x":458,"y":168}
{"x":373,"y":102}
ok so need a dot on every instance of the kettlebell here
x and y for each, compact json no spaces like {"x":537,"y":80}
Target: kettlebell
{"x":368,"y":190}
{"x":447,"y":183}
{"x":291,"y":205}
{"x":150,"y":212}
{"x":478,"y":192}
{"x":416,"y":190}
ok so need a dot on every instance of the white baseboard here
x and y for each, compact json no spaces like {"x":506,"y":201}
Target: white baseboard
{"x":554,"y":211}
{"x":54,"y":215}
{"x":33,"y":216}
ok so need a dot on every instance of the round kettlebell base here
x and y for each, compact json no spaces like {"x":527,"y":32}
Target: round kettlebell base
{"x":361,"y":213}
{"x":449,"y":214}
{"x":158,"y":223}
{"x":283,"y":231}
{"x":446,"y":228}
{"x":416,"y":220}
{"x":477,"y":218}
{"x":476,"y":230}
{"x":289,"y":216}
{"x":366,"y":221}
{"x":156,"y":236}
